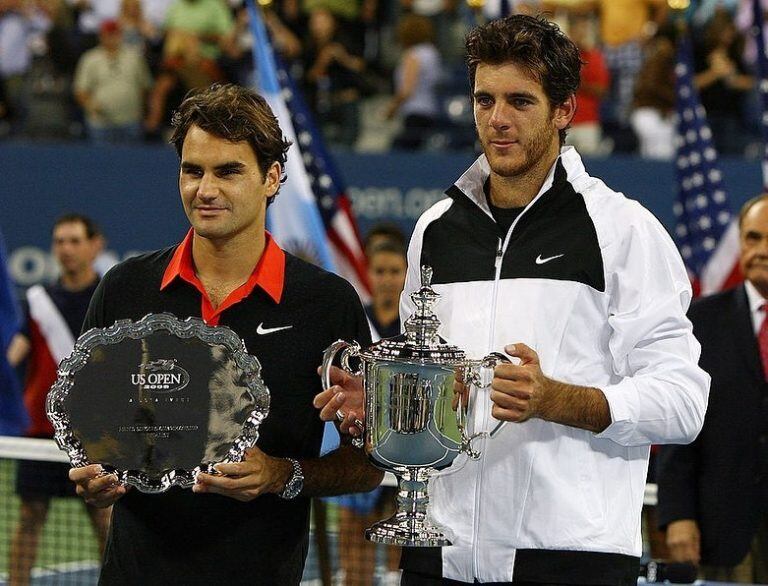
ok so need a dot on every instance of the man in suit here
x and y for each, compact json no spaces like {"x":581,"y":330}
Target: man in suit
{"x":713,"y":493}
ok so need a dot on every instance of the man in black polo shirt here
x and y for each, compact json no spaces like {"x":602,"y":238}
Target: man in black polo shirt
{"x":249,"y":526}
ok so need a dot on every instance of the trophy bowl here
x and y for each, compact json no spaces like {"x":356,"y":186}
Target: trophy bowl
{"x":417,"y":405}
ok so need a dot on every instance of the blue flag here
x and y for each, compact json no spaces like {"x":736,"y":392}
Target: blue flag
{"x":13,"y":416}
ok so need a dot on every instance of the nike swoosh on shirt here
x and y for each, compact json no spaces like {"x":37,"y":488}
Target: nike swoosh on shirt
{"x":261,"y":330}
{"x":541,"y":261}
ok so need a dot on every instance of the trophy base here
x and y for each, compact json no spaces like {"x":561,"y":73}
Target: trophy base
{"x":407,"y":530}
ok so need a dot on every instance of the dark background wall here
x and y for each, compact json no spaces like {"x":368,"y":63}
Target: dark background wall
{"x":132,"y":192}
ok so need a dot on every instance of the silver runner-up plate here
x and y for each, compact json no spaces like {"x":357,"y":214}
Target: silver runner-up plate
{"x":158,"y":401}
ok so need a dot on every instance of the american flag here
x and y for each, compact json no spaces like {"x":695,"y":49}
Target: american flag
{"x":312,"y":215}
{"x":706,"y":231}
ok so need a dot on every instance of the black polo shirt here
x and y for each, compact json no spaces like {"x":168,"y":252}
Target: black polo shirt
{"x":180,"y":537}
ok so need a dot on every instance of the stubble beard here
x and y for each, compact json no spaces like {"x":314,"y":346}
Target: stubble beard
{"x":533,"y":152}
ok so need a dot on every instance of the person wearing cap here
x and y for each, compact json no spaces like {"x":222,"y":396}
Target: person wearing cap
{"x":111,"y":83}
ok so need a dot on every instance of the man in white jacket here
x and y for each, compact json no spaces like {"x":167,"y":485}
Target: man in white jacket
{"x":586,"y":291}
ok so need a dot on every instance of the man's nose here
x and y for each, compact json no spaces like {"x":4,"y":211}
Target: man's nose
{"x":208,"y":187}
{"x":500,"y":116}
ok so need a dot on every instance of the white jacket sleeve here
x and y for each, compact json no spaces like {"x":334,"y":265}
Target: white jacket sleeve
{"x":662,"y":393}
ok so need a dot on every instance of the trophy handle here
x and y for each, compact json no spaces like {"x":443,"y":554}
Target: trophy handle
{"x":349,"y":350}
{"x":473,"y":378}
{"x":491,"y":361}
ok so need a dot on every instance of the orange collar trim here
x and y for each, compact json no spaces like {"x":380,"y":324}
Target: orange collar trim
{"x":269,"y":274}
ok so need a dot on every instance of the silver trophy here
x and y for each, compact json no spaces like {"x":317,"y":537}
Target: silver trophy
{"x":415,"y":420}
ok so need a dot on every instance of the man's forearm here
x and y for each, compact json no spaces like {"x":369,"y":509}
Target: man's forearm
{"x":582,"y":407}
{"x":341,"y":471}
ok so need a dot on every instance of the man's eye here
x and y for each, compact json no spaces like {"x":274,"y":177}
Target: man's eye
{"x":483,"y":101}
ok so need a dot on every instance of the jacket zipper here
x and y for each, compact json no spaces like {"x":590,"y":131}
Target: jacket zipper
{"x":500,"y":247}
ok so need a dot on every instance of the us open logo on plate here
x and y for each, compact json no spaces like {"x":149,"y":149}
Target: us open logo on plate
{"x":161,"y":376}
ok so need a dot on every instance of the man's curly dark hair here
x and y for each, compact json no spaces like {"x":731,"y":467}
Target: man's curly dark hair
{"x":533,"y":43}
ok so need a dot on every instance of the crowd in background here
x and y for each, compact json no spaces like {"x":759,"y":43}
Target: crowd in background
{"x":113,"y":70}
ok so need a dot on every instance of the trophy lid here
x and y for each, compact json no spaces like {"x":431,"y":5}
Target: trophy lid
{"x":421,"y":342}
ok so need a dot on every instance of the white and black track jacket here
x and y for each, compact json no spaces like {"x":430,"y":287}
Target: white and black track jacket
{"x":593,"y":283}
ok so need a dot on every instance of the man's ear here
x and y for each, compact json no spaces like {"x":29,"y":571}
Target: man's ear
{"x":562,"y":114}
{"x":272,"y":178}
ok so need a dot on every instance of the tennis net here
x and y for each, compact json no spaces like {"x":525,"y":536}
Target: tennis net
{"x":53,"y":541}
{"x":45,"y":537}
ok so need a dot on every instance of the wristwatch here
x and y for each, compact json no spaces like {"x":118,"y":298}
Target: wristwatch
{"x":295,"y":483}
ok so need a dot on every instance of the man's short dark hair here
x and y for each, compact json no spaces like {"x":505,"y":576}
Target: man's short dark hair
{"x":236,"y":114}
{"x":534,"y":44}
{"x":91,"y":228}
{"x":384,"y":231}
{"x":386,"y":246}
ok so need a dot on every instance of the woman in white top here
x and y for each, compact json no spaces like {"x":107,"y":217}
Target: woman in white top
{"x":416,"y":79}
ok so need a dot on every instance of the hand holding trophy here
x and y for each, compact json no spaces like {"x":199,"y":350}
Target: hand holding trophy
{"x":415,"y":424}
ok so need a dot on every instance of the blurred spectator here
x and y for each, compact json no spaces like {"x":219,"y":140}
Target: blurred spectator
{"x":497,"y":8}
{"x":283,"y":36}
{"x":386,"y":273}
{"x":90,"y":14}
{"x":156,"y":12}
{"x":624,"y":27}
{"x":3,"y":110}
{"x":744,"y":21}
{"x":292,"y":16}
{"x":724,"y":83}
{"x":21,"y":26}
{"x":383,"y":232}
{"x":586,"y":131}
{"x":449,"y":32}
{"x":349,"y":16}
{"x":59,"y":38}
{"x":200,"y":27}
{"x":138,"y":31}
{"x":333,"y":78}
{"x":704,"y":10}
{"x":196,"y":33}
{"x":53,"y":316}
{"x":416,"y":79}
{"x":653,"y":115}
{"x":110,"y":85}
{"x":236,"y":61}
{"x":48,"y":84}
{"x":753,"y":106}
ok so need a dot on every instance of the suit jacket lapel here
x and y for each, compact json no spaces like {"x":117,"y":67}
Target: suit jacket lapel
{"x":745,"y":333}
